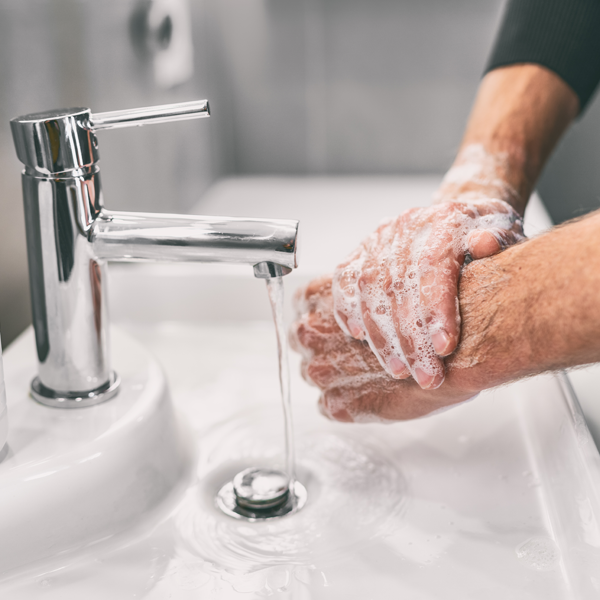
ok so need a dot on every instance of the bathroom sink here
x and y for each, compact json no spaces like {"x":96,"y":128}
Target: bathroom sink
{"x":71,"y":479}
{"x":498,"y":498}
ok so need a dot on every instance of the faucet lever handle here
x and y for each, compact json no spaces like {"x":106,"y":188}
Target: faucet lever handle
{"x":151,"y":114}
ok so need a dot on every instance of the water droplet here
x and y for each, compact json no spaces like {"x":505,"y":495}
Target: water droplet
{"x":539,"y":553}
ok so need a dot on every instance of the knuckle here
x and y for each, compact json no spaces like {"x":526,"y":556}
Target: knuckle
{"x":334,"y":404}
{"x":308,"y":337}
{"x":321,"y":373}
{"x":304,"y":371}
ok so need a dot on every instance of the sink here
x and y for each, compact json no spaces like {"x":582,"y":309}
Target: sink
{"x":72,"y":479}
{"x":498,"y":498}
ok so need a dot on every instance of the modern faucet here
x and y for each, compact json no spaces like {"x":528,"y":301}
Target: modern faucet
{"x":70,"y":236}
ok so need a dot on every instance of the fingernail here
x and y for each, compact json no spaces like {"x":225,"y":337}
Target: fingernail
{"x":356,"y":332}
{"x":342,"y":415}
{"x":441,"y":343}
{"x":423,"y":379}
{"x":437,"y":381}
{"x":397,"y":367}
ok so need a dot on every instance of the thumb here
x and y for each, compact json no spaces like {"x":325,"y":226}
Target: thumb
{"x":482,"y":243}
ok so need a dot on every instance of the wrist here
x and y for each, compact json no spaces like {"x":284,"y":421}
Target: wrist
{"x":530,"y":309}
{"x":479,"y":175}
{"x":495,"y":346}
{"x":519,"y":114}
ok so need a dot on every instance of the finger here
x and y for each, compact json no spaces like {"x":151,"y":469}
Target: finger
{"x":484,"y":243}
{"x":315,"y":335}
{"x":346,"y":280}
{"x":498,"y":213}
{"x":303,"y":371}
{"x":335,"y":368}
{"x":323,"y":373}
{"x":309,"y":335}
{"x":314,"y":296}
{"x":376,"y":305}
{"x":375,"y":309}
{"x":332,"y":412}
{"x":381,"y":334}
{"x":353,"y":361}
{"x":345,"y":290}
{"x":438,"y":271}
{"x":293,"y":340}
{"x":378,"y":400}
{"x":411,"y":327}
{"x":402,"y":287}
{"x":439,"y":304}
{"x":346,"y":303}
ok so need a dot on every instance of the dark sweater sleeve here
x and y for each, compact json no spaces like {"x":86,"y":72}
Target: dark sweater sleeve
{"x":561,"y":35}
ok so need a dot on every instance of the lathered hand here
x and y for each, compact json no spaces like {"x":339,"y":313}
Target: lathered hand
{"x":528,"y":310}
{"x":398,"y":289}
{"x":354,"y":386}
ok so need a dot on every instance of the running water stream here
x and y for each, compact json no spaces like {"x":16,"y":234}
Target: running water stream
{"x":260,"y":493}
{"x":275,"y":291}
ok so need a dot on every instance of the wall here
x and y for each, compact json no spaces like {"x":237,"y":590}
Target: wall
{"x":60,"y":53}
{"x":297,"y":87}
{"x":570,"y":184}
{"x":368,"y":87}
{"x":348,"y":86}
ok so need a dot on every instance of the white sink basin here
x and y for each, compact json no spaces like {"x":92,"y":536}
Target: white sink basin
{"x":495,"y":499}
{"x":74,"y":478}
{"x":499,"y":498}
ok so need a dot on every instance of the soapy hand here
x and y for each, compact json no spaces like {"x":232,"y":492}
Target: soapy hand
{"x":398,"y":289}
{"x":354,"y":386}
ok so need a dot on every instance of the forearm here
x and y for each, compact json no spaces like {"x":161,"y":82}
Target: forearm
{"x":533,"y":308}
{"x":519,"y":114}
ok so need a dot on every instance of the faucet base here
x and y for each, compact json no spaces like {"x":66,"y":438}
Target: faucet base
{"x":49,"y":397}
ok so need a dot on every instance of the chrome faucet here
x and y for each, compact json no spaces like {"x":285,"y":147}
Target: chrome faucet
{"x":70,"y":236}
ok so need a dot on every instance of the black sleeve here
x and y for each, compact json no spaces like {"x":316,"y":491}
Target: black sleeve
{"x":561,"y":35}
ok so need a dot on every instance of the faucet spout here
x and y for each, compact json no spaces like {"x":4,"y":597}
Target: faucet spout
{"x":124,"y":236}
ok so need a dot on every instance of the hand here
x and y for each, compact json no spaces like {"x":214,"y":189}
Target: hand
{"x":528,"y":310}
{"x":398,"y":290}
{"x":354,"y":386}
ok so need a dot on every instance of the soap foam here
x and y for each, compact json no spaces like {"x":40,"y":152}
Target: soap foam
{"x":381,"y":282}
{"x":475,"y":166}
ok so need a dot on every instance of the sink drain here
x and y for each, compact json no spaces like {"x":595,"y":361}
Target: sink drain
{"x":257,"y":494}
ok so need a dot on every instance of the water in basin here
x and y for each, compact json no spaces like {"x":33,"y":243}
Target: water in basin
{"x":355,"y":494}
